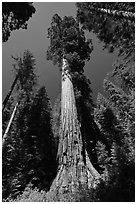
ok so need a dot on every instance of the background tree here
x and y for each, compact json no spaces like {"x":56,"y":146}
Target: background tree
{"x":113,"y":23}
{"x":113,"y":28}
{"x":42,"y":162}
{"x":24,"y":71}
{"x":14,"y":16}
{"x":116,"y":121}
{"x":69,"y":49}
{"x":12,"y":143}
{"x":28,"y":156}
{"x":116,"y":155}
{"x":24,"y":68}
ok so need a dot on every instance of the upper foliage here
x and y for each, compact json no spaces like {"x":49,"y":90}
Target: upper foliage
{"x":113,"y":22}
{"x":14,"y":16}
{"x":24,"y":69}
{"x":124,"y":75}
{"x":67,"y":40}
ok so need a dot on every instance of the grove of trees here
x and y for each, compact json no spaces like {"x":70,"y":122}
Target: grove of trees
{"x":77,"y":150}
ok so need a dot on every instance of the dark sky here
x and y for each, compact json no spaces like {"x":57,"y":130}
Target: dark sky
{"x":35,"y":39}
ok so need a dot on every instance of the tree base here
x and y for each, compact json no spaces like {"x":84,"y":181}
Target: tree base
{"x":70,"y":180}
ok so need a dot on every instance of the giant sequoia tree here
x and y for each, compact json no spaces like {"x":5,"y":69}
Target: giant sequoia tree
{"x":69,"y":49}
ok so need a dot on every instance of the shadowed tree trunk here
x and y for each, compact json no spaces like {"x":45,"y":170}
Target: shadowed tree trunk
{"x":9,"y":93}
{"x":74,"y":168}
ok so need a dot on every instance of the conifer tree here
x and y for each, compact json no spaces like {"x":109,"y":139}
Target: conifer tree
{"x":39,"y":141}
{"x":29,"y":156}
{"x":85,"y":111}
{"x":115,"y":118}
{"x":116,"y":155}
{"x":12,"y":141}
{"x":24,"y":71}
{"x":69,"y":49}
{"x":112,"y":22}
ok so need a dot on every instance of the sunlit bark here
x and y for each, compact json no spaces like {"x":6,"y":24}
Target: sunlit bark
{"x":75,"y":167}
{"x":9,"y":124}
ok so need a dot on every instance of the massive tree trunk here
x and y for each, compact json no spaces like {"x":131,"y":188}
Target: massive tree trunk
{"x":9,"y":124}
{"x":9,"y":93}
{"x":75,"y":167}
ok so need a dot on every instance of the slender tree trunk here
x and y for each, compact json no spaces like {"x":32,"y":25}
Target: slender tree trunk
{"x":116,"y":12}
{"x":74,"y":164}
{"x":9,"y":93}
{"x":9,"y":124}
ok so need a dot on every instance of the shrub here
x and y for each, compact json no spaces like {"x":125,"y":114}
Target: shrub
{"x":29,"y":195}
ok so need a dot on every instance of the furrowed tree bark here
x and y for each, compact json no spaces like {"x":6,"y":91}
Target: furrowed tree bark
{"x":75,"y":167}
{"x":9,"y":93}
{"x":9,"y":124}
